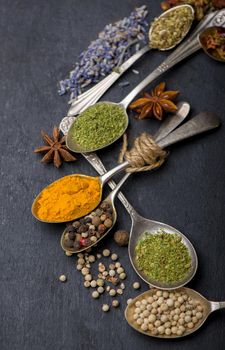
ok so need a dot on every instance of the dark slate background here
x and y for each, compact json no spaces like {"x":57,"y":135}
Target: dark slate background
{"x":40,"y":41}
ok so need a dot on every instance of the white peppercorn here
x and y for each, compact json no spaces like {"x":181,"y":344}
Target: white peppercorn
{"x":105,"y":307}
{"x":91,"y":258}
{"x":95,"y":294}
{"x":100,"y":290}
{"x":62,"y":278}
{"x":112,"y":273}
{"x":144,"y":327}
{"x":120,"y":270}
{"x":88,"y":277}
{"x":122,"y":276}
{"x":129,"y":301}
{"x":112,"y":292}
{"x":68,"y":253}
{"x":93,"y":283}
{"x":85,"y":271}
{"x":136,"y":285}
{"x":81,"y":261}
{"x":87,"y":284}
{"x":115,"y":303}
{"x":106,"y":252}
{"x":114,"y":257}
{"x":119,"y":291}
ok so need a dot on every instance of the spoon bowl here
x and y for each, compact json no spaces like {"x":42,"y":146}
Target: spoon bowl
{"x":212,"y":53}
{"x":141,"y":225}
{"x":208,"y":308}
{"x":165,"y":14}
{"x":74,"y":146}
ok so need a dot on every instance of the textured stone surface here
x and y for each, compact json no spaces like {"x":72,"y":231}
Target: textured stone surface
{"x":40,"y":41}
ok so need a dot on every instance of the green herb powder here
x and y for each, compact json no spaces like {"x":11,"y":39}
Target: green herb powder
{"x":163,"y":257}
{"x":99,"y":125}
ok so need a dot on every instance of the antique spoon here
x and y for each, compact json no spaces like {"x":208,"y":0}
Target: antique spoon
{"x":203,"y":122}
{"x":208,"y":308}
{"x":92,"y":95}
{"x":183,"y":51}
{"x":166,"y":127}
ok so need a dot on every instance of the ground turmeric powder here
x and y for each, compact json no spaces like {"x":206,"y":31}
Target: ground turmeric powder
{"x":68,"y":198}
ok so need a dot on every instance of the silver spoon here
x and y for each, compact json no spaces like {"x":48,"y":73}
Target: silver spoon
{"x":183,"y":51}
{"x":92,"y":95}
{"x":208,"y":308}
{"x":166,"y":127}
{"x":201,"y":123}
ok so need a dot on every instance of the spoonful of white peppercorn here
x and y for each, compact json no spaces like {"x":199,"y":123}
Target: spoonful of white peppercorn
{"x":169,"y":314}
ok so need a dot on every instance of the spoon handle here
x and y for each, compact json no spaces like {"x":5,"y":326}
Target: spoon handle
{"x":217,"y":305}
{"x":204,"y":121}
{"x":184,"y":50}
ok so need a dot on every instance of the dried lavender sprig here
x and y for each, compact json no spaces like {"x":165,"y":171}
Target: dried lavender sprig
{"x":106,"y":51}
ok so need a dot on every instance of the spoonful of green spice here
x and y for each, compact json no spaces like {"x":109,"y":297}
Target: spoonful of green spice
{"x":98,"y":126}
{"x":163,"y":257}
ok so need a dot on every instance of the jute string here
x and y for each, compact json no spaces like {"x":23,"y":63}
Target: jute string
{"x":145,"y":154}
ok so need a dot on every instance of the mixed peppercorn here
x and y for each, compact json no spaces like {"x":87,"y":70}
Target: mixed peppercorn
{"x":88,"y":230}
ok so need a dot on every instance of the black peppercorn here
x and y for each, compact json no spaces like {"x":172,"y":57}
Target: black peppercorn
{"x":87,"y":220}
{"x":72,"y":236}
{"x":70,"y":228}
{"x":82,"y":228}
{"x":68,"y":243}
{"x":76,"y":224}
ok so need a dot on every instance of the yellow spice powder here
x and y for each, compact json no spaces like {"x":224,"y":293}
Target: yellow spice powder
{"x":69,"y":198}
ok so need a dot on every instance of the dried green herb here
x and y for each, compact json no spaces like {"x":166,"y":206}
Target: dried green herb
{"x":99,"y":125}
{"x":163,"y":257}
{"x":169,"y":29}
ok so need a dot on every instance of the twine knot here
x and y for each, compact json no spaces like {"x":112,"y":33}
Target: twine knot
{"x":145,"y":154}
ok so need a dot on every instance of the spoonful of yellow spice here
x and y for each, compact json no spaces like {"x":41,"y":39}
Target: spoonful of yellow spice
{"x":70,"y":197}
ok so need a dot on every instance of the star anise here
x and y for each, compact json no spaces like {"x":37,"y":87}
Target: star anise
{"x":55,"y":149}
{"x":155,"y":103}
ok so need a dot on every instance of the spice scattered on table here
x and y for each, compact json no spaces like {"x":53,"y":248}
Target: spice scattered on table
{"x":55,"y":150}
{"x":154,"y":104}
{"x":213,"y":41}
{"x":105,"y":307}
{"x":67,"y":198}
{"x":136,"y":285}
{"x":105,"y":53}
{"x":170,"y":29}
{"x":89,"y":229}
{"x":163,"y":257}
{"x":167,"y":313}
{"x":62,"y":278}
{"x":201,"y":7}
{"x":121,"y":237}
{"x":103,"y":285}
{"x":98,"y":126}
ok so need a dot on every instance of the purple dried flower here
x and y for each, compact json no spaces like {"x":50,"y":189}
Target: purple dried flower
{"x":105,"y":53}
